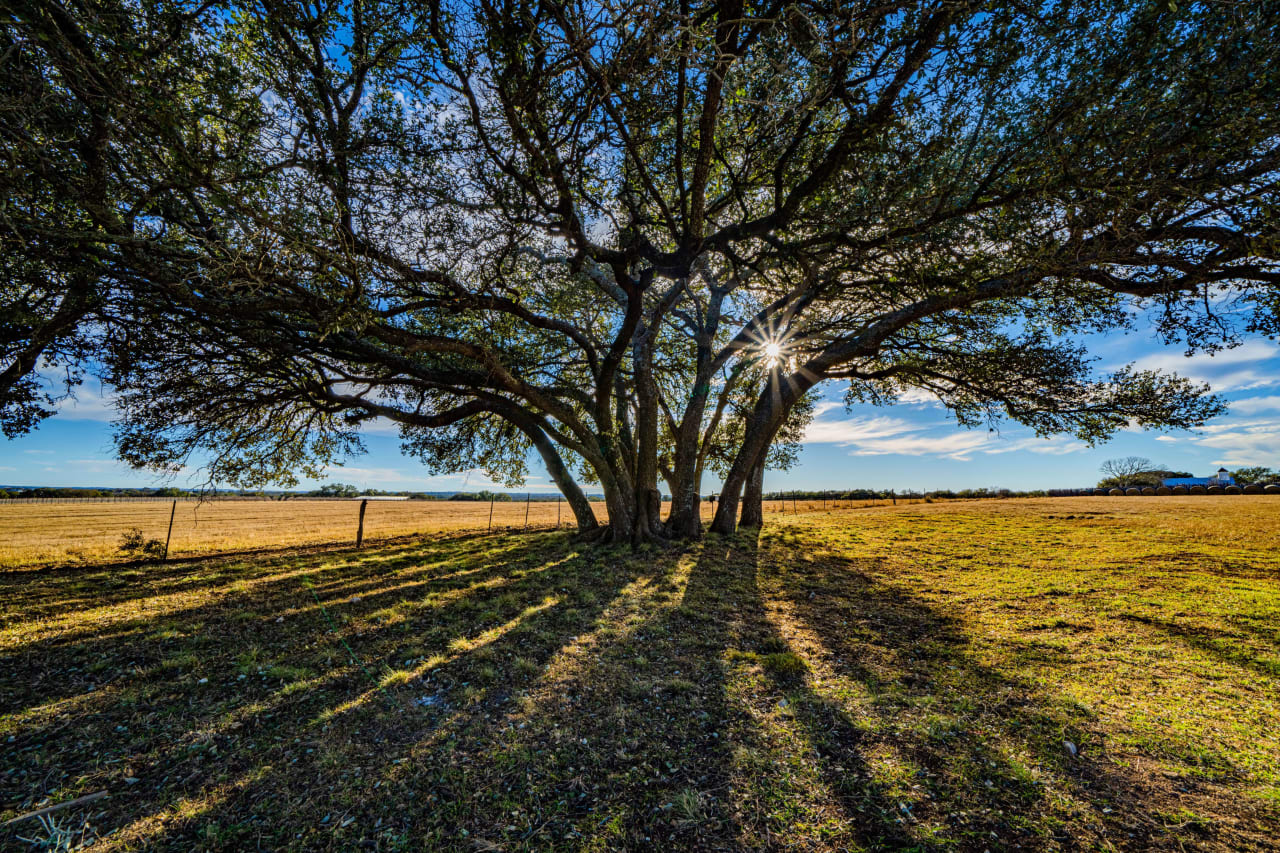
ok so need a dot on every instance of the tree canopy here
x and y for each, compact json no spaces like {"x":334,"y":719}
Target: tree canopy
{"x":629,"y":237}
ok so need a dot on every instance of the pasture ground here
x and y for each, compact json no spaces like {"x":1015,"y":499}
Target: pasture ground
{"x":901,"y":677}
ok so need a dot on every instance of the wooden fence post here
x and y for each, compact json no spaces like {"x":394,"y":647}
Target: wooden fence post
{"x":557,"y":512}
{"x":169,"y":536}
{"x":490,"y":513}
{"x":527,"y":499}
{"x":360,"y":531}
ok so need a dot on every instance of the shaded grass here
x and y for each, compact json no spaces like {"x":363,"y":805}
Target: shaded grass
{"x":904,"y":678}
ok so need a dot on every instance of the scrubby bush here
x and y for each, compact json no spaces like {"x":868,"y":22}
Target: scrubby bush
{"x":137,"y":546}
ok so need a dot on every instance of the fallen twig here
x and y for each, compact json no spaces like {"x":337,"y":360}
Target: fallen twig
{"x":78,"y":801}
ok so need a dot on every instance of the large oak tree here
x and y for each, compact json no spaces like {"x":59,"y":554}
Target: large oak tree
{"x":634,"y":236}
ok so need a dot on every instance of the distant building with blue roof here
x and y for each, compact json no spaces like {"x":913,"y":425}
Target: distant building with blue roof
{"x":1222,"y":478}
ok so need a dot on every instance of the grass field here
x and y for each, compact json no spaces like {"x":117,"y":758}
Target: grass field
{"x":1062,"y":674}
{"x":70,"y":532}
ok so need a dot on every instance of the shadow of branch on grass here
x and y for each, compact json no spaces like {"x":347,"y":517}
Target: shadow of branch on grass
{"x":519,"y":692}
{"x":927,"y":745}
{"x":284,"y":704}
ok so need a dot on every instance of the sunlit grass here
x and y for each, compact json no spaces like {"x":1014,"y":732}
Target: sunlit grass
{"x":896,"y":678}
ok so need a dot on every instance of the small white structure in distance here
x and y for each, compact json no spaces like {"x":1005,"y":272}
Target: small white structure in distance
{"x":1221,"y":478}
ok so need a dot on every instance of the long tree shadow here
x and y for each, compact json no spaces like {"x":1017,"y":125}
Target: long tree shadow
{"x":927,"y":747}
{"x":339,"y":681}
{"x":67,"y":654}
{"x":619,"y":745}
{"x":524,"y":693}
{"x":58,"y":588}
{"x":1234,"y":646}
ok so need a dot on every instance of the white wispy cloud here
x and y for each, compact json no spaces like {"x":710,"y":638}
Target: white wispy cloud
{"x":880,"y":436}
{"x":1236,"y":369}
{"x":1056,"y":445}
{"x":854,"y":430}
{"x":380,"y":426}
{"x":821,"y":408}
{"x":1253,"y":405}
{"x":1254,"y":442}
{"x":91,"y":403}
{"x":97,"y":465}
{"x":919,"y":397}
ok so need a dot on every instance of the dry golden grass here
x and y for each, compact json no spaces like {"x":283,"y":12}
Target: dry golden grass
{"x":91,"y":532}
{"x":59,"y":532}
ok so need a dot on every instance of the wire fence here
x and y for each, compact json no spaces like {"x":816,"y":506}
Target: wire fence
{"x":43,"y":531}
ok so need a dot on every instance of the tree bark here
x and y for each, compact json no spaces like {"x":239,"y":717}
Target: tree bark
{"x":684,"y":521}
{"x":648,"y":524}
{"x":753,"y":497}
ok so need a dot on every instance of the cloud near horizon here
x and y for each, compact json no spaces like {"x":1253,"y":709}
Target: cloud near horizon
{"x":879,"y":436}
{"x":1251,"y":442}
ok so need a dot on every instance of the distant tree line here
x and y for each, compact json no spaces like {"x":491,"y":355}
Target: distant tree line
{"x":1256,"y":475}
{"x":916,"y":494}
{"x":72,"y":492}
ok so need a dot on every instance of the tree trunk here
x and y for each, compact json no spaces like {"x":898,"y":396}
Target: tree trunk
{"x":776,"y":400}
{"x":684,"y":520}
{"x":619,"y":500}
{"x":753,"y":497}
{"x":564,"y":481}
{"x":648,"y":500}
{"x":559,"y":472}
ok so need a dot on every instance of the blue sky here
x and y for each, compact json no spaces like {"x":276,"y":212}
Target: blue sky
{"x":911,"y":445}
